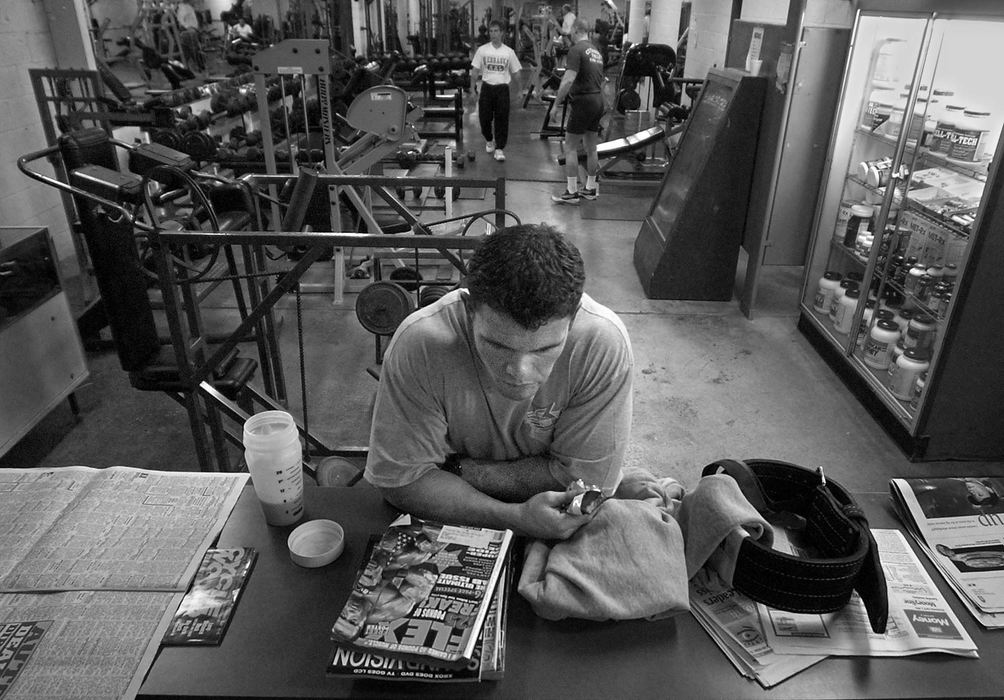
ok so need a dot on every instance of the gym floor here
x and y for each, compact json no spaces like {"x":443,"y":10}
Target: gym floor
{"x":709,"y":382}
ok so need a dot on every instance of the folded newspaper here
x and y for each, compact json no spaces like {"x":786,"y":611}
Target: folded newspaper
{"x":959,"y":524}
{"x":920,"y":620}
{"x":771,"y":645}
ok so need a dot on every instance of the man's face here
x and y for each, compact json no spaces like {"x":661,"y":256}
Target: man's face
{"x":495,"y":34}
{"x":518,"y":360}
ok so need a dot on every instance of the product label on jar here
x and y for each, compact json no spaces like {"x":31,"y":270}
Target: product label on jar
{"x":967,"y":145}
{"x":876,"y":353}
{"x":821,"y":302}
{"x":843,"y":216}
{"x":876,"y":114}
{"x":927,"y":238}
{"x":941,"y":137}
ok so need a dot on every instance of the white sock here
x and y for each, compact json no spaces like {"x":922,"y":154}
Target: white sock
{"x":572,"y":184}
{"x":590,"y":182}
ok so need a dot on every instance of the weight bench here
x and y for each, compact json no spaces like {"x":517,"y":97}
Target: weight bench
{"x":453,"y":113}
{"x":620,"y":149}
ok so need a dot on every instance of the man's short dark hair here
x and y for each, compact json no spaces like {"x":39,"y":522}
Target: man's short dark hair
{"x":496,"y":23}
{"x":530,"y":272}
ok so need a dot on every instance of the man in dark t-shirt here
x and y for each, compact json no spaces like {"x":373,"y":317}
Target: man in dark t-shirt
{"x":582,"y":84}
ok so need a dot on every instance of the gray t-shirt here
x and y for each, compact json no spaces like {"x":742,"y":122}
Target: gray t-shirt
{"x":436,"y":399}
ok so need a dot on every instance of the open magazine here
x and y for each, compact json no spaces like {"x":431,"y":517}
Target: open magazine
{"x":959,"y":524}
{"x":424,"y":591}
{"x":488,"y":662}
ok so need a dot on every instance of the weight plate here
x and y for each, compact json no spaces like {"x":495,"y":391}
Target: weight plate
{"x":381,"y":306}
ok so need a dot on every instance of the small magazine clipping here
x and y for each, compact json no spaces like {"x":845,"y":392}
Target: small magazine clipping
{"x":424,"y":591}
{"x":959,"y":524}
{"x":487,"y":664}
{"x":920,"y":620}
{"x":204,"y":613}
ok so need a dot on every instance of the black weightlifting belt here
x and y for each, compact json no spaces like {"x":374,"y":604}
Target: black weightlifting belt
{"x":830,"y":522}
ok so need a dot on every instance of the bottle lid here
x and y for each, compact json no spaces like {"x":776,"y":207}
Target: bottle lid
{"x":906,"y":314}
{"x":976,"y":113}
{"x":887,"y":325}
{"x":849,"y":284}
{"x":852,"y":292}
{"x":832,"y":275}
{"x":956,"y":108}
{"x":870,"y":304}
{"x":916,"y":354}
{"x":855,"y":275}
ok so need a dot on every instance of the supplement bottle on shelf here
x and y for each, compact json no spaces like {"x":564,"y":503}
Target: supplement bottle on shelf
{"x":828,"y":284}
{"x":897,"y":350}
{"x":843,"y":216}
{"x":920,"y":332}
{"x":918,"y":390}
{"x":944,"y":128}
{"x":866,"y":319}
{"x":969,"y":138}
{"x":845,"y":310}
{"x":838,"y":294}
{"x":910,"y":365}
{"x":859,"y":222}
{"x":880,"y":343}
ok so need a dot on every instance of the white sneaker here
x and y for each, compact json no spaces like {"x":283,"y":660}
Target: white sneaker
{"x":489,"y":147}
{"x":499,"y":155}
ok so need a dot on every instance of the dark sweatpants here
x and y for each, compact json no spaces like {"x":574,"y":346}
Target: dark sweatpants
{"x":493,"y":110}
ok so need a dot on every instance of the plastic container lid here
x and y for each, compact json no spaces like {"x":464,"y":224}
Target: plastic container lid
{"x":861,"y":210}
{"x":269,"y":430}
{"x":316,"y":543}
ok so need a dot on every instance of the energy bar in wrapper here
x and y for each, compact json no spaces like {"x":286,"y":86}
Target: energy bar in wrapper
{"x":586,"y":501}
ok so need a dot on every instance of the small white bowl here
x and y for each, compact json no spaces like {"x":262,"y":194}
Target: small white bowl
{"x":316,"y":543}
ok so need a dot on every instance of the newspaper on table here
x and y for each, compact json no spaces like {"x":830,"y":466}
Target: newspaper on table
{"x":920,"y":620}
{"x":93,"y":565}
{"x":96,"y":644}
{"x":124,"y":529}
{"x":959,"y":524}
{"x":732,"y":621}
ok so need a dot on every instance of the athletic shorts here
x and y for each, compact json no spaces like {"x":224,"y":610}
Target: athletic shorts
{"x":585,"y":113}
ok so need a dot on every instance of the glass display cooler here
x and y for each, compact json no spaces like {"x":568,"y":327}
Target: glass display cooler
{"x":904,"y":278}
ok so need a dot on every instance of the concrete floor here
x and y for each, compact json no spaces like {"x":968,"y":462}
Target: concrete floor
{"x":709,"y":382}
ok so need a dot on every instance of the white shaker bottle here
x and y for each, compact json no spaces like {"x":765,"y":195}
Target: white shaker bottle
{"x":274,"y":458}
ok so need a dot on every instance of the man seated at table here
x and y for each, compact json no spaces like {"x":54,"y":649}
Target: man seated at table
{"x":497,"y":396}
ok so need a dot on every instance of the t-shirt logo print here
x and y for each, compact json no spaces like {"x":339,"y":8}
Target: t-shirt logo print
{"x":542,"y":420}
{"x":496,"y":64}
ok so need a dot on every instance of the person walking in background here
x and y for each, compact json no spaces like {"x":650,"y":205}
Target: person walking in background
{"x":188,"y":23}
{"x":582,"y":85}
{"x":494,"y":65}
{"x":567,"y":20}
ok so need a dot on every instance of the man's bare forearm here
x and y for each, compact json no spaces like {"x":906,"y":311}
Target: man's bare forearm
{"x":440,"y":495}
{"x":511,"y":481}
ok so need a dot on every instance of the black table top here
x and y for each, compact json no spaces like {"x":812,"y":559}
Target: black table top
{"x":278,"y":641}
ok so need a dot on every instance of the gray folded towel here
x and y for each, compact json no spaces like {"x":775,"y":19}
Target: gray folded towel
{"x":634,"y":558}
